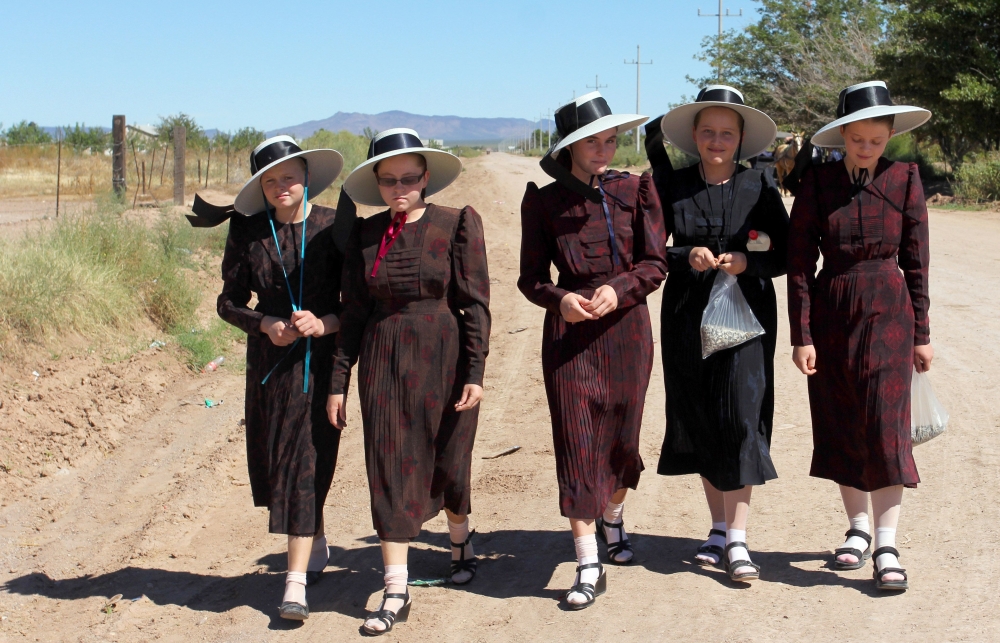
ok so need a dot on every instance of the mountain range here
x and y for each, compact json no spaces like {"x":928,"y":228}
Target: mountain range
{"x":451,"y":129}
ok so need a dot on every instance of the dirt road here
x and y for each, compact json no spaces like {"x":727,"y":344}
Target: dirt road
{"x":164,"y":515}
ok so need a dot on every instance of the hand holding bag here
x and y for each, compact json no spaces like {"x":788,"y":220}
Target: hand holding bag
{"x":727,"y":320}
{"x":928,"y":419}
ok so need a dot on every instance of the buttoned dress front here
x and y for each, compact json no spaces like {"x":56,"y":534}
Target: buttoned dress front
{"x":596,"y":372}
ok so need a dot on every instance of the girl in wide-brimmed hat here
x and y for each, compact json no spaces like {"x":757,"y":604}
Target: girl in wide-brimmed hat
{"x":416,"y":320}
{"x":860,"y":326}
{"x":723,"y":218}
{"x":603,"y":230}
{"x":283,"y":251}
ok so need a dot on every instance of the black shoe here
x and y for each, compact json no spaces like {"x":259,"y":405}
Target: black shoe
{"x":892,"y":585}
{"x":588,"y":590}
{"x":850,"y":551}
{"x":619,"y":547}
{"x":388,"y":617}
{"x":463,"y":564}
{"x":294,"y":611}
{"x":731,"y":567}
{"x":714,"y":550}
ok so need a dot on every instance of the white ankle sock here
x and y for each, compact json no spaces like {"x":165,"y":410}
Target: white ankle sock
{"x":586,"y":553}
{"x":319,"y":556}
{"x":459,"y":533}
{"x":295,"y":588}
{"x":613,"y":512}
{"x":737,"y":536}
{"x":714,"y":539}
{"x":395,"y":583}
{"x":886,"y":537}
{"x":859,"y":522}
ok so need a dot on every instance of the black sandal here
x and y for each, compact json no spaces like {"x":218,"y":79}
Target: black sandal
{"x":851,"y":551}
{"x":731,"y":567}
{"x":588,"y":590}
{"x":294,"y":611}
{"x":463,"y":564}
{"x":892,"y":585}
{"x":619,"y":547}
{"x":714,"y":550}
{"x":388,"y":617}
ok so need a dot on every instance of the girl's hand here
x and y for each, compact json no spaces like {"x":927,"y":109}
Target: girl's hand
{"x":604,"y":301}
{"x":336,"y":410}
{"x":307,"y":324}
{"x":733,"y":262}
{"x":922,"y":356}
{"x":702,"y":259}
{"x":281,"y":331}
{"x":572,"y":310}
{"x":805,"y":359}
{"x":472,"y":394}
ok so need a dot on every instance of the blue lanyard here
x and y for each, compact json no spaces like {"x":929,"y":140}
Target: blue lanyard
{"x":302,"y":271}
{"x":607,"y":217}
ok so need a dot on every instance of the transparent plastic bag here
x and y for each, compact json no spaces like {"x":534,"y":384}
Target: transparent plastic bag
{"x":727,"y":320}
{"x":928,"y":419}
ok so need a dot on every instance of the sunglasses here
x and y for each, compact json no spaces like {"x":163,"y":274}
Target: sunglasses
{"x":388,"y":182}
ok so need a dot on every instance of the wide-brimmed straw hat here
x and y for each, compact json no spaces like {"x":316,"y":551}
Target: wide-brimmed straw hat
{"x":868,"y":100}
{"x":758,"y":128}
{"x":362,"y":184}
{"x":589,"y":115}
{"x":323,"y":168}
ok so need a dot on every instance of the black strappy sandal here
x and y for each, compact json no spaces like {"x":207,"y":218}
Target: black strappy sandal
{"x":714,"y":550}
{"x":588,"y":590}
{"x":294,"y":611}
{"x":892,"y":585}
{"x":614,"y":549}
{"x":388,"y":617}
{"x":851,"y":551}
{"x":731,"y":567}
{"x":463,"y":564}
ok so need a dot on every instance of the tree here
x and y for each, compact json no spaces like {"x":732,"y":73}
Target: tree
{"x":247,"y":138}
{"x":794,"y":61}
{"x":944,"y":55}
{"x":194,"y":138}
{"x":25,"y":133}
{"x":81,"y":138}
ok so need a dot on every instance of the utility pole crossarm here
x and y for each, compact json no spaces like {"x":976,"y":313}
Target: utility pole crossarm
{"x":718,"y":42}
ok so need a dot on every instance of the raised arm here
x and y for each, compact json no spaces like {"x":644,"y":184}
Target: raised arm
{"x":471,"y":279}
{"x":649,"y":248}
{"x":914,"y":255}
{"x":804,"y":236}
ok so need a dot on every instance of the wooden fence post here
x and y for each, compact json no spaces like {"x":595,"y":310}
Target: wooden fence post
{"x":208,"y":165}
{"x":180,"y":140}
{"x":118,"y":155}
{"x":58,"y":172}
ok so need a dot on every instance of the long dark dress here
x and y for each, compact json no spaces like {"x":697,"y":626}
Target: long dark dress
{"x":863,"y":315}
{"x":596,"y":372}
{"x":291,"y":445}
{"x":720,"y":409}
{"x":419,"y":332}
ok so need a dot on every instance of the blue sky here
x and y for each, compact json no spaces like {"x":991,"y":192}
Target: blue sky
{"x":274,"y":64}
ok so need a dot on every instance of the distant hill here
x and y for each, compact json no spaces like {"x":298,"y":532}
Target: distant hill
{"x":451,"y":129}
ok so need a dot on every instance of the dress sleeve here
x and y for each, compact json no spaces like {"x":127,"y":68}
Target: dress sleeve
{"x":773,"y":218}
{"x":649,"y":249}
{"x":914,"y":255}
{"x":471,"y":278}
{"x":356,"y":308}
{"x":804,"y":237}
{"x":236,"y":280}
{"x":537,"y":250}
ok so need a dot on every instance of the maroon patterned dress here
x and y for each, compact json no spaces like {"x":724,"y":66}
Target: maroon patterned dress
{"x":291,"y":445}
{"x":596,"y":372}
{"x":864,"y":312}
{"x":419,"y":331}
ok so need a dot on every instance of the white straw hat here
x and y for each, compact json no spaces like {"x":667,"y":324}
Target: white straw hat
{"x":868,"y":100}
{"x":589,"y":115}
{"x":323,"y":167}
{"x":758,"y":128}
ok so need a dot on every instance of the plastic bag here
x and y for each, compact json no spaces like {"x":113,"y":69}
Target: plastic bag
{"x":928,"y":419}
{"x":727,"y":320}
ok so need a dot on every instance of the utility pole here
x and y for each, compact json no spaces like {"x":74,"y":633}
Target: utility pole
{"x":638,"y":65}
{"x":718,"y":45}
{"x":596,"y":87}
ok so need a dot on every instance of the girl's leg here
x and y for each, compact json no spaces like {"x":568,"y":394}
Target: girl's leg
{"x":585,"y":539}
{"x":737,"y":511}
{"x":885,"y":507}
{"x":299,"y":549}
{"x":856,"y":506}
{"x":319,"y":556}
{"x":394,"y":554}
{"x":458,"y":531}
{"x":613,"y":516}
{"x":716,"y":507}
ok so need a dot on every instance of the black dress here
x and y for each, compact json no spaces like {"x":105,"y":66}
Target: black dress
{"x":720,"y":409}
{"x":291,"y":445}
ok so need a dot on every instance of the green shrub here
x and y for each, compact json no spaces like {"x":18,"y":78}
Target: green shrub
{"x":203,"y":345}
{"x":904,"y":148}
{"x":978,"y":179}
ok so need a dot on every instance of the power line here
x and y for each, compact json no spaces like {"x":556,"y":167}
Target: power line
{"x":718,"y":45}
{"x":638,"y":65}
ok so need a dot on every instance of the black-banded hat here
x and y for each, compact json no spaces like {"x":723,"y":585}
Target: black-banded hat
{"x":868,"y":100}
{"x":362,"y":183}
{"x":323,"y":165}
{"x":758,"y":128}
{"x":589,"y":115}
